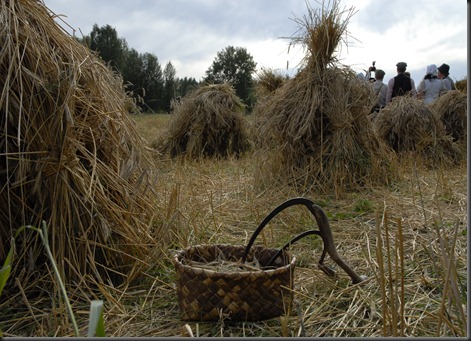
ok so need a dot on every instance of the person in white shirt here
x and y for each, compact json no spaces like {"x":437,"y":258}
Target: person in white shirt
{"x":431,"y":87}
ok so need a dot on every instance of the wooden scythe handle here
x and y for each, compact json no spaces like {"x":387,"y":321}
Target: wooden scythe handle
{"x":324,"y":231}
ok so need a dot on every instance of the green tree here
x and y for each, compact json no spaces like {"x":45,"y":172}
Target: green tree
{"x":105,"y":41}
{"x":170,"y":84}
{"x":152,"y":81}
{"x":236,"y":66}
{"x":131,"y":72}
{"x":185,"y":85}
{"x":142,"y":73}
{"x":143,"y":78}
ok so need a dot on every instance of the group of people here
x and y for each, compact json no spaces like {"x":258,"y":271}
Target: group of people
{"x":435,"y":82}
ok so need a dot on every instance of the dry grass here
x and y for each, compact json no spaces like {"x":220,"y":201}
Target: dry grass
{"x":401,"y":236}
{"x":218,"y":204}
{"x":150,"y":126}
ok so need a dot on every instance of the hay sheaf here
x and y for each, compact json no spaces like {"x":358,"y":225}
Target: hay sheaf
{"x":208,"y":122}
{"x":269,"y":81}
{"x":462,"y":85}
{"x":69,"y":154}
{"x":316,"y":124}
{"x":409,"y":125}
{"x":451,"y":108}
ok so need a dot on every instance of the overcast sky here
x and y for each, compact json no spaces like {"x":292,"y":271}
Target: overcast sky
{"x":189,"y":33}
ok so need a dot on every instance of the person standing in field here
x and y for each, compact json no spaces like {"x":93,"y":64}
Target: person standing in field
{"x":431,"y":87}
{"x":444,"y":74}
{"x":401,"y":85}
{"x":380,"y":89}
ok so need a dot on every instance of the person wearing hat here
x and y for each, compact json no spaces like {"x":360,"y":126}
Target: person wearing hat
{"x":431,"y":87}
{"x":443,"y":73}
{"x":379,"y":90}
{"x":400,"y":85}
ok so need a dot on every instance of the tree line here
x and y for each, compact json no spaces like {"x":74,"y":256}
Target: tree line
{"x":155,"y":88}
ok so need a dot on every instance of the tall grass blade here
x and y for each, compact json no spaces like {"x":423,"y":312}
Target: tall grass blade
{"x":401,"y":255}
{"x":96,"y":324}
{"x":379,"y":256}
{"x":6,"y":268}
{"x":392,"y":298}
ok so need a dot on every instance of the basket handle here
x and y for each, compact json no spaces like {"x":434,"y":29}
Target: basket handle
{"x":324,"y":231}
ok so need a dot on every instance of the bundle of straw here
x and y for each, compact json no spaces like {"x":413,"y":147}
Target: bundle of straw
{"x":318,"y":120}
{"x":208,"y":122}
{"x":409,"y":125}
{"x":451,"y":108}
{"x":69,"y":153}
{"x":462,"y":85}
{"x":269,"y":81}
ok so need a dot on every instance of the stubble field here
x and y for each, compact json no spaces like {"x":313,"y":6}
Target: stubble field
{"x":409,"y":239}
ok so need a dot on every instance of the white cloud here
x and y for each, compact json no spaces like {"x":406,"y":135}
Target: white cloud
{"x":417,"y":32}
{"x":191,"y":32}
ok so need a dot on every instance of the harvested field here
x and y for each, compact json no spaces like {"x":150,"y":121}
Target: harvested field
{"x":416,"y":264}
{"x":399,"y":222}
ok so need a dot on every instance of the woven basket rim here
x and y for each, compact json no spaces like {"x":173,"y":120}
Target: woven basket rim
{"x":179,"y":255}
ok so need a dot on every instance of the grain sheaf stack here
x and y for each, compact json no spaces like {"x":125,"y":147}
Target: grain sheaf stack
{"x":208,"y":122}
{"x":317,"y":121}
{"x":268,"y":82}
{"x":69,"y":155}
{"x":452,"y":110}
{"x":409,"y":126}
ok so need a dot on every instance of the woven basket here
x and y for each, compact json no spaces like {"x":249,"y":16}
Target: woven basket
{"x":207,"y":295}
